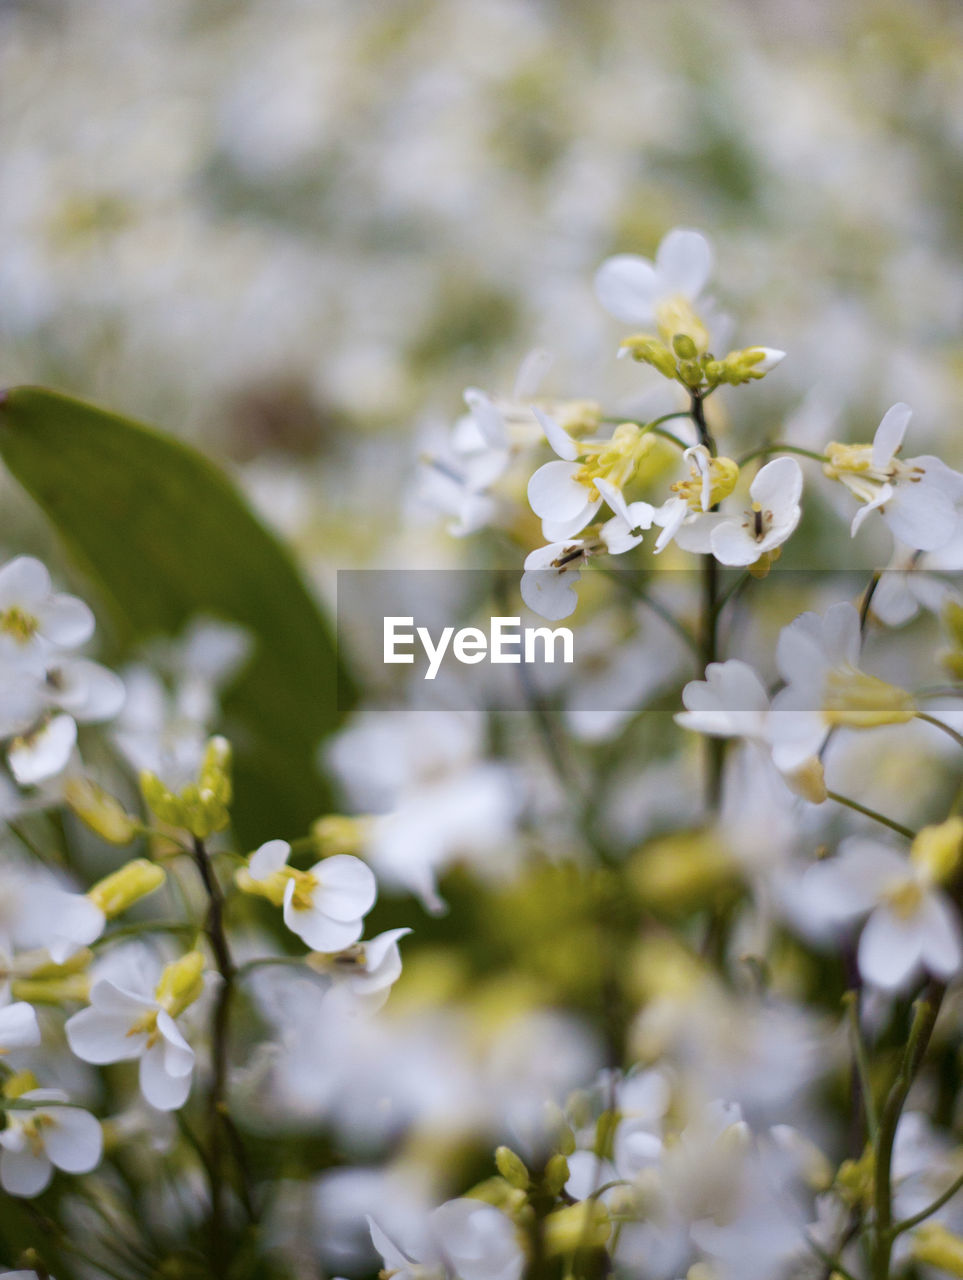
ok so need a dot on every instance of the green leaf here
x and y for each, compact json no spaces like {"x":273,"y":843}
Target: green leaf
{"x":166,"y":536}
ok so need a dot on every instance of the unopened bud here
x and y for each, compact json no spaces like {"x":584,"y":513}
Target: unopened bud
{"x":215,"y":773}
{"x":556,"y":1174}
{"x":937,"y":849}
{"x":684,"y":347}
{"x":271,"y":887}
{"x":936,"y":1246}
{"x":648,"y":350}
{"x":120,"y":890}
{"x":856,"y":700}
{"x":579,"y":1226}
{"x":161,"y":801}
{"x":181,"y":983}
{"x":746,"y":365}
{"x":512,"y":1168}
{"x":336,"y":833}
{"x":51,"y":990}
{"x":809,"y":781}
{"x":99,"y":811}
{"x":19,"y":1084}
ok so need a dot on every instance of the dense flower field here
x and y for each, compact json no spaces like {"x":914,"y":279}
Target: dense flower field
{"x":636,"y":327}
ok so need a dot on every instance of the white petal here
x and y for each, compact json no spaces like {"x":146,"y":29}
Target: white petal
{"x":87,"y":690}
{"x":24,"y":1174}
{"x":18,"y":1027}
{"x":889,"y":434}
{"x":490,"y":422}
{"x":733,"y":544}
{"x":347,"y":887}
{"x":555,"y":494}
{"x":111,"y":998}
{"x":66,"y":621}
{"x":391,"y":1255}
{"x":178,"y":1054}
{"x":627,"y":287}
{"x":921,"y":515}
{"x":163,"y":1091}
{"x":890,"y":949}
{"x":684,"y":263}
{"x":74,"y":1142}
{"x":778,"y":486}
{"x":550,"y":592}
{"x":557,"y":437}
{"x":268,"y":859}
{"x":942,"y":948}
{"x":98,"y":1037}
{"x":24,"y":582}
{"x":43,"y":754}
{"x":318,"y":930}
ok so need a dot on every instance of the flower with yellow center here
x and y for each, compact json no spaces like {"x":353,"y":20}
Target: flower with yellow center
{"x":920,"y":498}
{"x":565,"y":492}
{"x":45,"y":1135}
{"x":122,"y":1025}
{"x":324,"y":906}
{"x":912,"y":926}
{"x":33,"y":616}
{"x":709,"y":481}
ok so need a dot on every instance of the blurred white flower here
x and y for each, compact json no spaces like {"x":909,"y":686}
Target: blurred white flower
{"x":45,"y":1137}
{"x":638,"y":291}
{"x":18,"y":1027}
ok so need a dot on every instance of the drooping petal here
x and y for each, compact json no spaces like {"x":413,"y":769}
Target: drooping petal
{"x":178,"y":1054}
{"x":684,"y":263}
{"x":98,"y":1037}
{"x":88,"y":691}
{"x":66,"y":621}
{"x":889,"y":434}
{"x":557,"y":437}
{"x":733,"y":544}
{"x":627,"y":287}
{"x":490,"y":422}
{"x":921,"y":515}
{"x":163,"y":1091}
{"x":43,"y":754}
{"x":550,"y":592}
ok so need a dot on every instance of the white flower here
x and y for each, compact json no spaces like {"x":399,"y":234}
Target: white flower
{"x":771,"y":519}
{"x":85,"y":690}
{"x":38,"y":913}
{"x":818,"y":657}
{"x":730,"y":703}
{"x":324,"y":906}
{"x":918,"y":498}
{"x":365,"y":972}
{"x":38,"y":1140}
{"x":467,"y":1239}
{"x":18,"y":1027}
{"x":548,"y":583}
{"x":629,"y":520}
{"x":682,"y":517}
{"x":33,"y":617}
{"x":637,"y":291}
{"x":912,"y":925}
{"x":122,"y":1026}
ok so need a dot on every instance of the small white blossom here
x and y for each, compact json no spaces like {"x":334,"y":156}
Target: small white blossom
{"x":324,"y":906}
{"x":636,"y":290}
{"x":771,"y":519}
{"x":45,"y":1137}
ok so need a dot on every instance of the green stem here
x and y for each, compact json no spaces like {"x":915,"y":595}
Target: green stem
{"x":780,"y":446}
{"x":957,"y":738}
{"x":871,"y":813}
{"x":908,"y":1223}
{"x":924,"y":1020}
{"x":851,"y":999}
{"x":715,"y":748}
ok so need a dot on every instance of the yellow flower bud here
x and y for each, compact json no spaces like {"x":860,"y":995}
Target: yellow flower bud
{"x":556,"y":1174}
{"x":809,"y":781}
{"x":676,"y":317}
{"x":856,"y":700}
{"x":937,"y":849}
{"x":648,"y":350}
{"x":578,"y":1226}
{"x":181,"y":983}
{"x":120,"y":890}
{"x":215,"y":774}
{"x":51,"y":990}
{"x":161,"y":801}
{"x":99,"y":811}
{"x":934,"y":1245}
{"x":512,"y":1168}
{"x":336,"y":833}
{"x":17,"y":1085}
{"x":271,"y":887}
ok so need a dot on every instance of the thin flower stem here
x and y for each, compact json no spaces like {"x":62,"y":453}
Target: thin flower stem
{"x":715,"y":748}
{"x":871,"y":813}
{"x":957,"y":737}
{"x":908,"y":1223}
{"x":851,"y":999}
{"x":779,"y":446}
{"x":924,"y":1020}
{"x":628,"y":583}
{"x":867,"y":600}
{"x":833,"y":1265}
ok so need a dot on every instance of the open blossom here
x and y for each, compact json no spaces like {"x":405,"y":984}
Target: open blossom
{"x":365,"y":972}
{"x":124,"y":1026}
{"x":652,"y":294}
{"x":920,"y":498}
{"x":818,"y":657}
{"x":709,"y":481}
{"x":911,"y":926}
{"x":35,"y":618}
{"x":465,"y":1238}
{"x":46,"y":1137}
{"x":564,"y":492}
{"x":629,"y":522}
{"x":551,"y":572}
{"x":37,"y":912}
{"x":324,"y":906}
{"x":741,"y":538}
